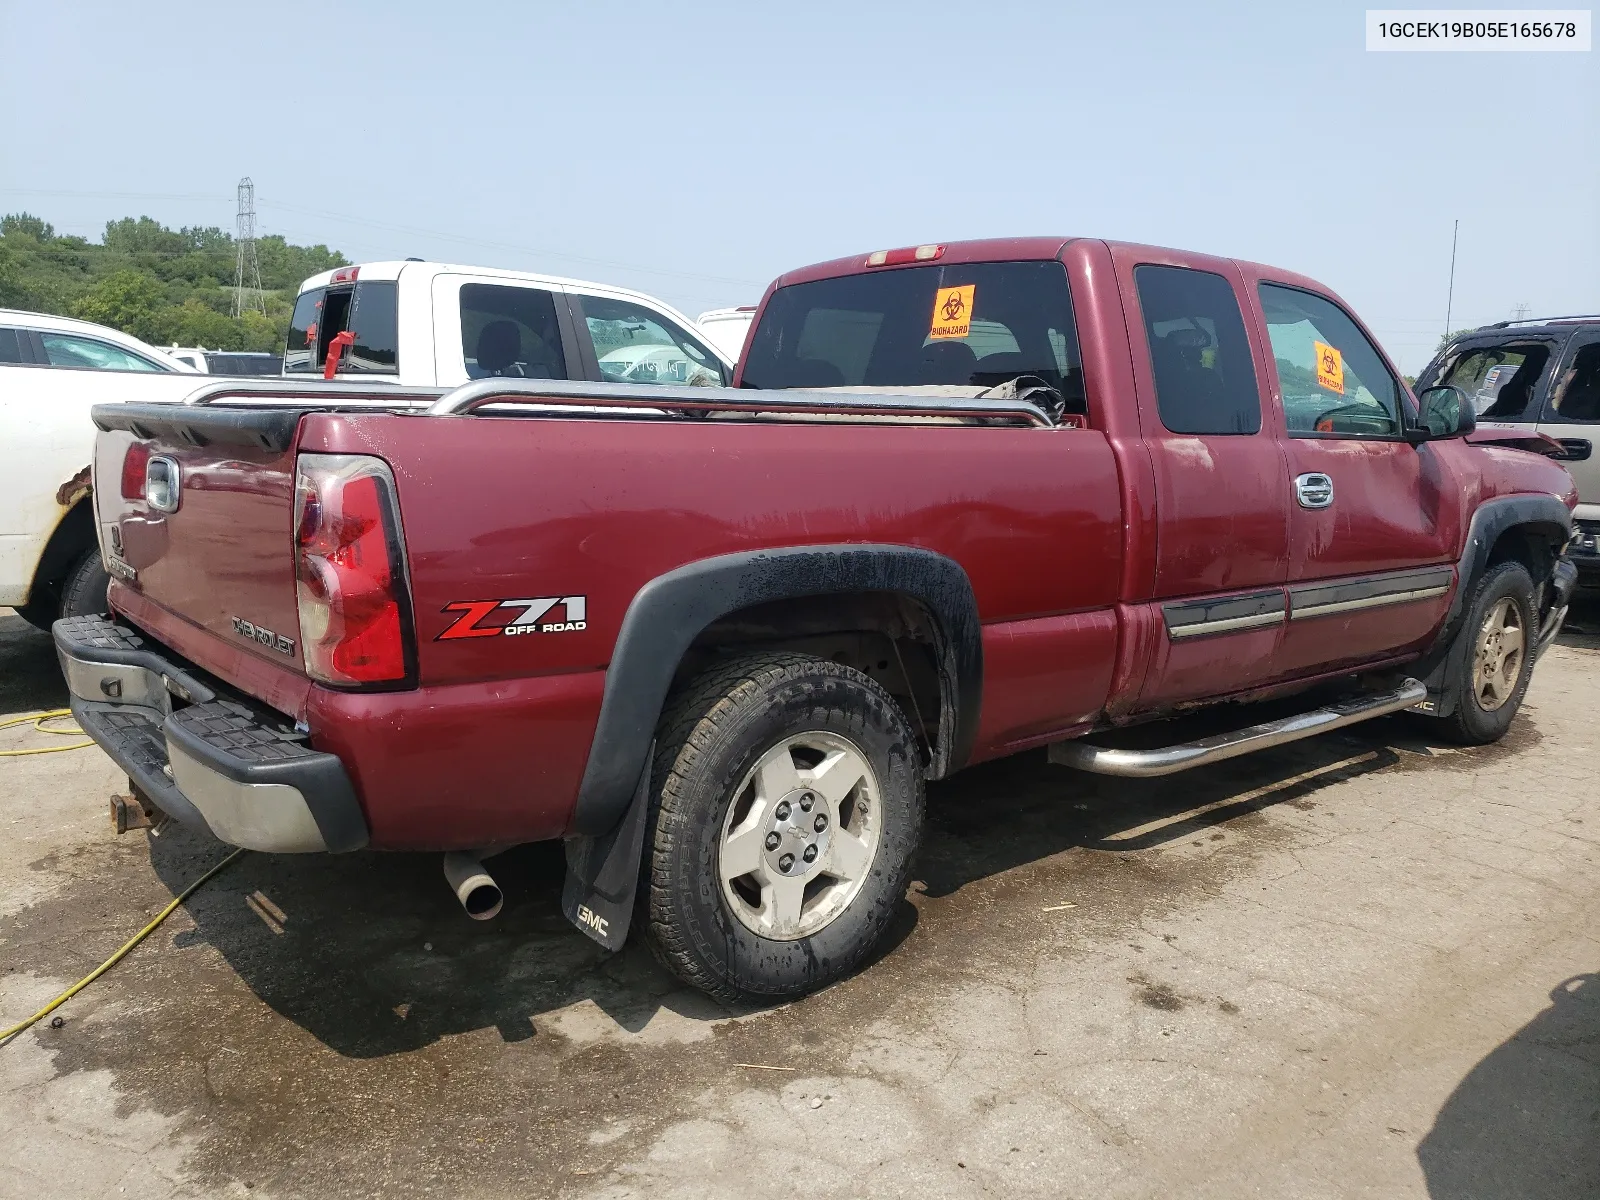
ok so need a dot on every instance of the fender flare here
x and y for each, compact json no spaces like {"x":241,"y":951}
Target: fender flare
{"x":670,"y":611}
{"x":1491,"y":519}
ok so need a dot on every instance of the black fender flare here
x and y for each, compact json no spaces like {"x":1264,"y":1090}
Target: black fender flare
{"x":670,"y":611}
{"x":1489,"y":522}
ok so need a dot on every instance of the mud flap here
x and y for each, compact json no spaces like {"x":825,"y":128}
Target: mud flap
{"x":603,"y":872}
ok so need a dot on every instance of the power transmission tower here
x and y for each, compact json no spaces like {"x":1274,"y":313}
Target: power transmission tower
{"x":247,"y":272}
{"x":1520,"y":313}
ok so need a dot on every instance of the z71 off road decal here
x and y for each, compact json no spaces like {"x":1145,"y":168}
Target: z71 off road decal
{"x":510,"y":618}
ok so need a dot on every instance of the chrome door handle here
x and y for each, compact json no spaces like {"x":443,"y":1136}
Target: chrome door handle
{"x":1313,"y":490}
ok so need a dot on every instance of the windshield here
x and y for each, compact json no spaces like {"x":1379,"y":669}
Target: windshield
{"x":965,"y":325}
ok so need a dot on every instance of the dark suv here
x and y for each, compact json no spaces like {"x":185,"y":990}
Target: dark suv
{"x":1543,"y":373}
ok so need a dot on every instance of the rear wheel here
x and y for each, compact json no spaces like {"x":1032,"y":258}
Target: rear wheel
{"x":788,"y":808}
{"x":1494,"y":655}
{"x":85,"y":591}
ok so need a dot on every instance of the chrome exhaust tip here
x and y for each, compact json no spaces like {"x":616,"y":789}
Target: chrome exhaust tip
{"x":475,"y":889}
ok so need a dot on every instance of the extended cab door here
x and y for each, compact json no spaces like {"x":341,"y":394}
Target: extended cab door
{"x":1375,"y":521}
{"x":1222,"y":493}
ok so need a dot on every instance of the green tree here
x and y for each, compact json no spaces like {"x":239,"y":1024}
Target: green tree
{"x":127,"y":300}
{"x":1450,"y":337}
{"x":26,"y":225}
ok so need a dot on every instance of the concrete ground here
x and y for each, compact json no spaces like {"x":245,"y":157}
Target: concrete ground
{"x":1365,"y":965}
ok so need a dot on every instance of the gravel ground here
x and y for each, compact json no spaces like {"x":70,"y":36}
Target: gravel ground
{"x":1363,"y":965}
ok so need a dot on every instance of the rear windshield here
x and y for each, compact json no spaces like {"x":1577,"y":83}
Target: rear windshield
{"x":368,"y":309}
{"x":969,"y":324}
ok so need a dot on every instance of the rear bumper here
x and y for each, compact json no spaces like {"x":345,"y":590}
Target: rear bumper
{"x":218,"y":763}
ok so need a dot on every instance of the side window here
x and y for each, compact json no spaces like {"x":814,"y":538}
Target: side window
{"x":11,"y":347}
{"x":635,"y":345}
{"x":1205,"y":381}
{"x":64,"y":350}
{"x":1500,"y":380}
{"x":510,"y":332}
{"x":1576,"y":396}
{"x":1333,"y":379}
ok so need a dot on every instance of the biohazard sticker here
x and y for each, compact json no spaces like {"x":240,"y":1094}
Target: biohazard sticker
{"x":952,"y":312}
{"x":1330,"y":368}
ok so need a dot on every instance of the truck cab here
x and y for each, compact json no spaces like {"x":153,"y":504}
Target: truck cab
{"x":430,"y":324}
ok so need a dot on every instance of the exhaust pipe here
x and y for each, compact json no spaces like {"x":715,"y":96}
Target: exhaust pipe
{"x":474,"y":887}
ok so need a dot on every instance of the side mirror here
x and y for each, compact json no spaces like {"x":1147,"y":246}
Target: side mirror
{"x":1446,"y":411}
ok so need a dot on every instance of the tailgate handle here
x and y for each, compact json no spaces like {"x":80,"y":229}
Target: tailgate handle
{"x":1574,"y":449}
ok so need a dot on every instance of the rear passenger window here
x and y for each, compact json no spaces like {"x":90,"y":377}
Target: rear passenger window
{"x":1577,"y":393}
{"x":510,"y":332}
{"x":374,"y":320}
{"x":1334,"y":381}
{"x":1205,"y":381}
{"x":10,"y":347}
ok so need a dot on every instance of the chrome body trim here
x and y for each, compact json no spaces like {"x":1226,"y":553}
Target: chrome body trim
{"x":1223,"y":614}
{"x":272,"y":817}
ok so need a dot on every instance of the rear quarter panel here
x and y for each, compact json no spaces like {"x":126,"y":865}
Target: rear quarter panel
{"x":495,"y":739}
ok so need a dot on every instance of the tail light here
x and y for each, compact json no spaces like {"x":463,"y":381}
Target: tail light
{"x":350,"y":583}
{"x":134,"y":463}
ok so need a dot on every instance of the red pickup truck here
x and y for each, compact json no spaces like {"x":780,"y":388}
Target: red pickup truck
{"x":965,"y":500}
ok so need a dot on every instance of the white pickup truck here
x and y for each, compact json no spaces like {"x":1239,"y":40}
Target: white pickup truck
{"x":432,"y":324}
{"x":52,"y":369}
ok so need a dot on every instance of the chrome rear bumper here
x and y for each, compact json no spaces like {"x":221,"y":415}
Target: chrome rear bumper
{"x":217,"y":763}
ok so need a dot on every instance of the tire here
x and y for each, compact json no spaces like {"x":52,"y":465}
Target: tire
{"x":747,"y":937}
{"x":85,"y":591}
{"x":1487,"y":696}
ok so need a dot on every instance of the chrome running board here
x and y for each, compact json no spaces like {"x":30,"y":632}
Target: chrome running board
{"x":1144,"y":764}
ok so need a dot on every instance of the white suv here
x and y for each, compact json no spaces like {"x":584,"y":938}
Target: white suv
{"x":52,"y":369}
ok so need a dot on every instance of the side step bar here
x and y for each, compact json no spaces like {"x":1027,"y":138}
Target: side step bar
{"x":1145,"y":764}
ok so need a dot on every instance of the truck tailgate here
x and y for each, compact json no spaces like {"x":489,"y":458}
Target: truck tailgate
{"x":222,"y":559}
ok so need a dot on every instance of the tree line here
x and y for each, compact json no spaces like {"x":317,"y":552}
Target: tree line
{"x":165,"y":286}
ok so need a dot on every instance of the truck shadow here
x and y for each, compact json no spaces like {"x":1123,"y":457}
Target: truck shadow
{"x":1525,"y":1122}
{"x":30,"y":675}
{"x":371,"y":954}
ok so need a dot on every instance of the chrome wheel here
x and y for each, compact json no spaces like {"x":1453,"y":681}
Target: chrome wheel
{"x":800,"y":836}
{"x":1497,"y":660}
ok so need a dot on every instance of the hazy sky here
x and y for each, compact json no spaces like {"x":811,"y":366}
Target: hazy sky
{"x":695,"y":151}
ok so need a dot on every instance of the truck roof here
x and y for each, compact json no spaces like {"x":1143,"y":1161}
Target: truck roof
{"x":391,"y":270}
{"x":1019,"y":249}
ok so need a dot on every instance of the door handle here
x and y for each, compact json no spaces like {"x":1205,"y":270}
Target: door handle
{"x":1574,"y":450}
{"x":1313,"y":490}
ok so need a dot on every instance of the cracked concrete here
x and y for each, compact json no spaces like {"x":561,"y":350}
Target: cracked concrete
{"x":1364,"y":965}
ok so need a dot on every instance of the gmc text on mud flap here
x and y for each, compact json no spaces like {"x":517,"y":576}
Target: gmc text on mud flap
{"x":486,"y":618}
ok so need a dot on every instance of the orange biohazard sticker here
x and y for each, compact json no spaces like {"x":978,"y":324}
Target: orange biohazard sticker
{"x":952,"y":312}
{"x":1330,"y":368}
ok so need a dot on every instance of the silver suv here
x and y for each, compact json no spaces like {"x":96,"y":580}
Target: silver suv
{"x":1545,"y":374}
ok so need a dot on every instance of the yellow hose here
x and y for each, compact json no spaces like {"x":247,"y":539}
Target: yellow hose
{"x":7,"y":1034}
{"x":38,"y":720}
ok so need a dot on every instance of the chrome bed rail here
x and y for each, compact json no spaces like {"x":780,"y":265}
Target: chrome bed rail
{"x":612,"y":399}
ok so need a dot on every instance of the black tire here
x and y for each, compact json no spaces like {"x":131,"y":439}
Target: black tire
{"x":1472,"y":722}
{"x":85,"y":591}
{"x":714,"y":734}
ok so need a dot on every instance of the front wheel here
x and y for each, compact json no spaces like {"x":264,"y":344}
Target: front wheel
{"x":787,"y":810}
{"x":1493,"y":655}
